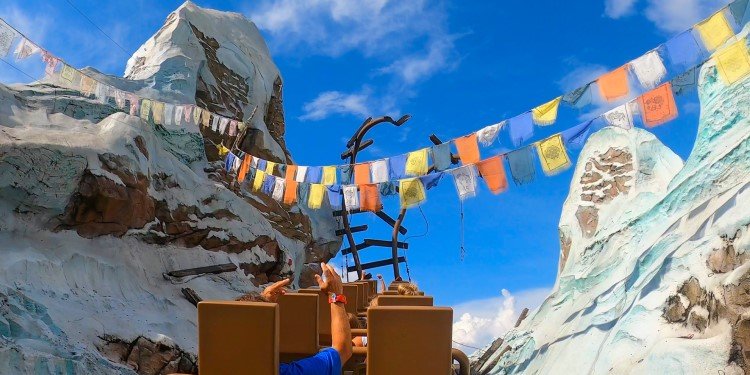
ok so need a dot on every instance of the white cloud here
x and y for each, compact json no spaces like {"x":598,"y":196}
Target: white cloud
{"x":618,"y":8}
{"x":481,"y":321}
{"x":679,"y":15}
{"x":581,"y":74}
{"x":409,"y":38}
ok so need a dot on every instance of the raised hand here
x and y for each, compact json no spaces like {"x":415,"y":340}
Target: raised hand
{"x":331,"y":281}
{"x":273,"y":291}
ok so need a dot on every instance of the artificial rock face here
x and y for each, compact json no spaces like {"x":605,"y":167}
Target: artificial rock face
{"x":654,"y":273}
{"x":95,"y":205}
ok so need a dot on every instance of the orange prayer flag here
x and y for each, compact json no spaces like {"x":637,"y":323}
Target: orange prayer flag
{"x":369,"y":198}
{"x":290,"y":193}
{"x":244,"y":167}
{"x":614,"y":85}
{"x":468,"y":149}
{"x":493,"y":172}
{"x":362,"y":174}
{"x":658,"y":106}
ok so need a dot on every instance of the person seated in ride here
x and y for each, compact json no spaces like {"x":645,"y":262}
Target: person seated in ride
{"x":408,"y":289}
{"x":328,"y":361}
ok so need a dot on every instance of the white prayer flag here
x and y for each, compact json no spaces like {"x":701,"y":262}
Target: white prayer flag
{"x":649,"y":69}
{"x":223,"y":125}
{"x":168,"y":114}
{"x":102,"y":93}
{"x":379,"y":171}
{"x":351,"y":197}
{"x":179,"y":112}
{"x":488,"y":135}
{"x":232,"y":128}
{"x":621,"y":117}
{"x":236,"y":165}
{"x":215,"y":123}
{"x":278,"y":189}
{"x":25,"y":49}
{"x":7,"y":35}
{"x":301,"y":172}
{"x":465,"y":179}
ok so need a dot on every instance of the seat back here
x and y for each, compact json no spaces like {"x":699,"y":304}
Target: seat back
{"x":394,"y":285}
{"x":388,"y":300}
{"x":362,"y":295}
{"x":324,"y":315}
{"x":352,"y":302}
{"x":389,"y":293}
{"x":373,"y":284}
{"x":298,"y":331}
{"x":238,"y":337}
{"x":409,"y":340}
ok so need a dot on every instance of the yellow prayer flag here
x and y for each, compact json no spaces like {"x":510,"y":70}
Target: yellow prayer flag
{"x":553,"y":155}
{"x":546,"y":114}
{"x":158,"y":110}
{"x":206,"y":118}
{"x":197,"y":115}
{"x":68,"y":73}
{"x":270,"y":167}
{"x":223,"y":150}
{"x":258,"y":180}
{"x":416,"y":163}
{"x":145,"y":109}
{"x":715,"y":30}
{"x":317,"y":192}
{"x":88,"y":85}
{"x":733,"y":62}
{"x":411,"y":192}
{"x":329,"y":175}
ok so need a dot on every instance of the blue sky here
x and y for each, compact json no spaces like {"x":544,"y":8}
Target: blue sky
{"x":455,"y":67}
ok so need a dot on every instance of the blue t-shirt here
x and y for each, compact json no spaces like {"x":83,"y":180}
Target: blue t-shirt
{"x":326,"y":362}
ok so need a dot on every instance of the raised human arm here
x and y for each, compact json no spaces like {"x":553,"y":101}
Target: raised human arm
{"x":341,"y":335}
{"x":382,"y":283}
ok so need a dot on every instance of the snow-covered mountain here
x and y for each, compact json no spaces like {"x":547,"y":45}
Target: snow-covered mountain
{"x":95,"y":205}
{"x":654,"y":272}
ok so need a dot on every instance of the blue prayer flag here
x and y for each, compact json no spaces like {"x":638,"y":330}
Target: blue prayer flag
{"x":397,"y":167}
{"x":268,"y":183}
{"x":303,"y":192}
{"x":431,"y":180}
{"x":261,"y":164}
{"x":521,"y":128}
{"x":683,"y":49}
{"x":441,"y":155}
{"x":576,"y":136}
{"x":521,"y":163}
{"x":387,"y":188}
{"x":229,"y":161}
{"x":314,"y":175}
{"x":334,"y":196}
{"x":346,"y":174}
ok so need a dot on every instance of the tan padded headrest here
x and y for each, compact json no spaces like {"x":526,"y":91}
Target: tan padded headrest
{"x":351,"y":291}
{"x":389,"y":293}
{"x":324,"y":310}
{"x":238,"y":338}
{"x":409,"y":340}
{"x":298,"y":316}
{"x":388,"y":300}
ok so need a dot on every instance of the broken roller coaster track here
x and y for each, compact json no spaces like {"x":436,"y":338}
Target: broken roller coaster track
{"x":356,"y":144}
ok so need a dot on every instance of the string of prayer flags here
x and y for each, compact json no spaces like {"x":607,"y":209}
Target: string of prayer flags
{"x":362,"y":174}
{"x":351,"y":197}
{"x":487,"y":135}
{"x":493,"y":173}
{"x":232,"y":128}
{"x":521,"y":163}
{"x":229,"y":161}
{"x":621,"y":117}
{"x":465,"y":179}
{"x":314,"y":175}
{"x":329,"y":175}
{"x":134,"y":104}
{"x":223,"y":125}
{"x":187,"y":111}
{"x":301,"y":173}
{"x":715,"y":30}
{"x":178,"y":114}
{"x":157,"y":108}
{"x":25,"y":49}
{"x":521,"y":128}
{"x":468,"y":149}
{"x":168,"y":114}
{"x":334,"y":196}
{"x":614,"y":85}
{"x":198,"y":116}
{"x":411,"y":192}
{"x":205,"y":118}
{"x":658,"y":106}
{"x":379,"y":170}
{"x":416,"y":162}
{"x":50,"y":63}
{"x":68,"y":73}
{"x":546,"y":114}
{"x":552,"y":154}
{"x":441,"y":155}
{"x":7,"y":35}
{"x":576,"y":136}
{"x":260,"y":164}
{"x":369,"y":198}
{"x":649,"y":69}
{"x":575,"y":98}
{"x":431,"y":180}
{"x":290,"y":194}
{"x":317,"y":193}
{"x":260,"y":175}
{"x":397,"y":167}
{"x":733,"y":63}
{"x":278,"y":189}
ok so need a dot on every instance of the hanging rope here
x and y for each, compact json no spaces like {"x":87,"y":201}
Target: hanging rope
{"x":468,"y":346}
{"x":461,"y":229}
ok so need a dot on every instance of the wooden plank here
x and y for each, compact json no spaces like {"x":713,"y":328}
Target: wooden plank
{"x":361,"y":228}
{"x":382,"y":243}
{"x":379,"y":263}
{"x":220,"y":268}
{"x":191,"y":296}
{"x":361,"y":246}
{"x":384,"y":216}
{"x":362,"y":146}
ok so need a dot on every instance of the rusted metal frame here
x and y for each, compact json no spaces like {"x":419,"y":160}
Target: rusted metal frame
{"x":355,"y":145}
{"x":394,"y":244}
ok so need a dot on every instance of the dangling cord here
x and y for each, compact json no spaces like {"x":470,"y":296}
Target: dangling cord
{"x":406,"y":263}
{"x":463,"y":248}
{"x":346,"y":259}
